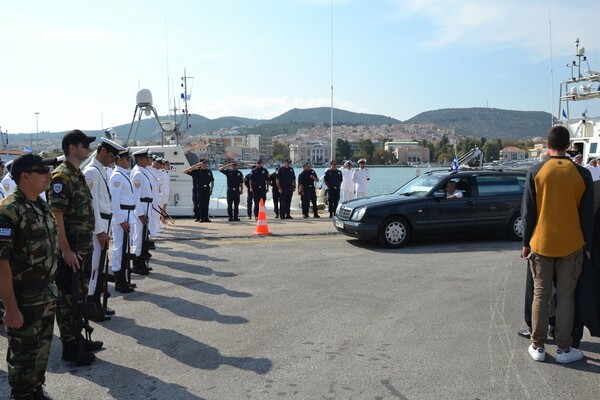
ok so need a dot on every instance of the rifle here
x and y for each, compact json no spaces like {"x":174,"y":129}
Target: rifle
{"x":82,"y":311}
{"x":125,"y":264}
{"x":164,"y":214}
{"x":145,"y":253}
{"x":104,"y":264}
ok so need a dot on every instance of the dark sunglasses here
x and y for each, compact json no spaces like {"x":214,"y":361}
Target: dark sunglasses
{"x":41,"y":171}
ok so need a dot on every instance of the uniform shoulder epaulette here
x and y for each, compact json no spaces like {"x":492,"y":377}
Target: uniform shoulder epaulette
{"x":8,"y":208}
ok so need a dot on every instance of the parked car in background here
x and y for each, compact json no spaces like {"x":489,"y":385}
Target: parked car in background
{"x":490,"y":205}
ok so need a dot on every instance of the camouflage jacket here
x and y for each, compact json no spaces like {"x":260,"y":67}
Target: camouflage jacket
{"x":28,"y":239}
{"x":70,"y":194}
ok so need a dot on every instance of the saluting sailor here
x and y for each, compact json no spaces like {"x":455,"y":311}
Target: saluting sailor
{"x":123,"y":206}
{"x":142,"y":191}
{"x":96,"y":178}
{"x":361,"y":178}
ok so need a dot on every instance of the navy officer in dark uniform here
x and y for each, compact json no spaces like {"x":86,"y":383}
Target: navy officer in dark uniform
{"x":286,"y":184}
{"x":275,"y":190}
{"x":259,"y":185}
{"x":306,"y":189}
{"x":204,"y":182}
{"x":249,"y":192}
{"x":333,"y":179}
{"x":235,"y":187}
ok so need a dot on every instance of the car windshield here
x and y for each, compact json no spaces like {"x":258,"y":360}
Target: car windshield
{"x":419,"y":186}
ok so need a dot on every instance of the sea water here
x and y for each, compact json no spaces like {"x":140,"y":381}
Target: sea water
{"x":382,"y":179}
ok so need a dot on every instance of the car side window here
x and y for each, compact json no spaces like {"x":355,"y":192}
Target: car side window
{"x":499,"y":185}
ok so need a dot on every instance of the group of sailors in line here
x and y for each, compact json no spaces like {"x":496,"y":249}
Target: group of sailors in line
{"x":282,"y":182}
{"x":54,"y":259}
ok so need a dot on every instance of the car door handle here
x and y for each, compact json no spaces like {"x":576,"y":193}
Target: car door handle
{"x":470,"y":203}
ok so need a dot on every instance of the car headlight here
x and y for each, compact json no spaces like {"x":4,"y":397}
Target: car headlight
{"x":337,"y":210}
{"x":358,"y":214}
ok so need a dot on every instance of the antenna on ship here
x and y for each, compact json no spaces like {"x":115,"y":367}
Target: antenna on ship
{"x":143,"y":106}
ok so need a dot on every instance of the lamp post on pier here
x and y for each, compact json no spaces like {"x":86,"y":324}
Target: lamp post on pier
{"x":36,"y":128}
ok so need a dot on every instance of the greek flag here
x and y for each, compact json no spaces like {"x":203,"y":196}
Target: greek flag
{"x":564,"y":113}
{"x":584,"y":114}
{"x":27,"y":149}
{"x":455,"y":164}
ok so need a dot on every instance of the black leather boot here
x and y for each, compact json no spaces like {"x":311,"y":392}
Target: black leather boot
{"x":76,"y":352}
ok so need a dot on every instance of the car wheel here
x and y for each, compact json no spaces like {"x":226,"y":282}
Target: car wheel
{"x":394,"y":232}
{"x":515,"y":228}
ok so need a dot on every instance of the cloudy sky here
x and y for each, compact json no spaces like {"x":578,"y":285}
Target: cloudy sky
{"x":79,"y":64}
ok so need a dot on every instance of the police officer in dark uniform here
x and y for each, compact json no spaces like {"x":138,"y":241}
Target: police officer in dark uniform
{"x":306,"y":190}
{"x":249,"y":197}
{"x":259,"y":185}
{"x":235,"y":187}
{"x":286,"y":183}
{"x":275,"y":190}
{"x":203,"y":186}
{"x":333,"y":179}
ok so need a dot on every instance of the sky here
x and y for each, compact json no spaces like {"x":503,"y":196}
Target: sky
{"x":79,"y":64}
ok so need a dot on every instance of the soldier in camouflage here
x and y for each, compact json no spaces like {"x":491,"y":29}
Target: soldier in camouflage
{"x":71,"y":203}
{"x":27,"y":268}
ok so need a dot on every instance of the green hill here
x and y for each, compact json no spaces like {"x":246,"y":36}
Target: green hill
{"x":491,"y":123}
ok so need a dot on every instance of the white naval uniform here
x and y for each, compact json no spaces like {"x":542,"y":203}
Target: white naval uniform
{"x":166,"y":187}
{"x":154,"y":226}
{"x":360,"y":177}
{"x":97,"y":181}
{"x":123,"y":206}
{"x":141,"y":179}
{"x":8,"y":184}
{"x":347,"y":184}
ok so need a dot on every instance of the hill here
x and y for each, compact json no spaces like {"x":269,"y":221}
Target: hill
{"x":490,"y":123}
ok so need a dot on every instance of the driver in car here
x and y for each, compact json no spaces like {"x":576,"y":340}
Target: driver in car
{"x":452,"y":192}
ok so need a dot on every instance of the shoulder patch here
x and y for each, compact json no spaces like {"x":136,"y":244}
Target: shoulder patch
{"x":137,"y":183}
{"x":6,"y":186}
{"x":5,"y":232}
{"x":57,"y":187}
{"x":90,"y":183}
{"x":116,"y":183}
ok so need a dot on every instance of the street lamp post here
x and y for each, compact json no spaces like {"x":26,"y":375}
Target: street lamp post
{"x":36,"y":128}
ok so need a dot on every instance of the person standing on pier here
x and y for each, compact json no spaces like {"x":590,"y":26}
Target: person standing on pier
{"x":204,"y":183}
{"x":235,"y":187}
{"x":275,"y":190}
{"x":333,"y":179}
{"x":259,"y":185}
{"x":286,"y":184}
{"x":306,"y":189}
{"x":348,"y":191}
{"x":557,"y":212}
{"x":361,"y":178}
{"x":249,"y":197}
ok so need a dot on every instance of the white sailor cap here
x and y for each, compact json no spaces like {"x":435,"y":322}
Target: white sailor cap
{"x":111,"y":146}
{"x":348,"y":162}
{"x":124,"y":153}
{"x":142,"y":153}
{"x":362,"y":160}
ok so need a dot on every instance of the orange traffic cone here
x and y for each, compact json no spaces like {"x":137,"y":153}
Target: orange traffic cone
{"x":262,"y":228}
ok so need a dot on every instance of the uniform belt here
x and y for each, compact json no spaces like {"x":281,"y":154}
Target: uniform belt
{"x":146,"y":199}
{"x":205,"y":186}
{"x":234,"y":189}
{"x":335,"y":187}
{"x":32,"y":285}
{"x":105,"y":216}
{"x":127,"y":207}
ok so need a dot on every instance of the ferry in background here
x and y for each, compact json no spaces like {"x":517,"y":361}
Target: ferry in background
{"x":579,"y":112}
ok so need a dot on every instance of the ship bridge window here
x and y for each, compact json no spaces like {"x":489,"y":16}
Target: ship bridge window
{"x":593,"y":148}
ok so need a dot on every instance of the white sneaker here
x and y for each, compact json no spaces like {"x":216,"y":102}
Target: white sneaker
{"x":538,"y":354}
{"x":567,"y":357}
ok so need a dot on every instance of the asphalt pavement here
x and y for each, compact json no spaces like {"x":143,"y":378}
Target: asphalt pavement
{"x":306,"y":313}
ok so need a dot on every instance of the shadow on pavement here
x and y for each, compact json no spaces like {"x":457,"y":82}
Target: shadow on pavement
{"x":190,"y":256}
{"x":198,"y":285}
{"x":441,"y":246}
{"x":186,"y":309}
{"x":192,"y":269}
{"x":125,"y":383}
{"x":186,"y":350}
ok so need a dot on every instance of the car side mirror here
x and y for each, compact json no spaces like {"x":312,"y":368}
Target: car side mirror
{"x":440,"y":194}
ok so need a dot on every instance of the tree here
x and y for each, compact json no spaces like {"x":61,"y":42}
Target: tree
{"x":280,"y":151}
{"x":382,"y":156}
{"x":366,"y":149}
{"x":491,"y":149}
{"x":343,"y":151}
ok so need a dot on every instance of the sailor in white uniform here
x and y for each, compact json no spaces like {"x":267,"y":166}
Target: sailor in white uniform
{"x":123,"y":206}
{"x":156,"y":171}
{"x":347,"y":184}
{"x":361,"y":178}
{"x":142,"y":191}
{"x":97,"y":181}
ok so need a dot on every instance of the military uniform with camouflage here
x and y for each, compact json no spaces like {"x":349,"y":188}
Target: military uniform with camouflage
{"x":71,"y":203}
{"x":27,"y":268}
